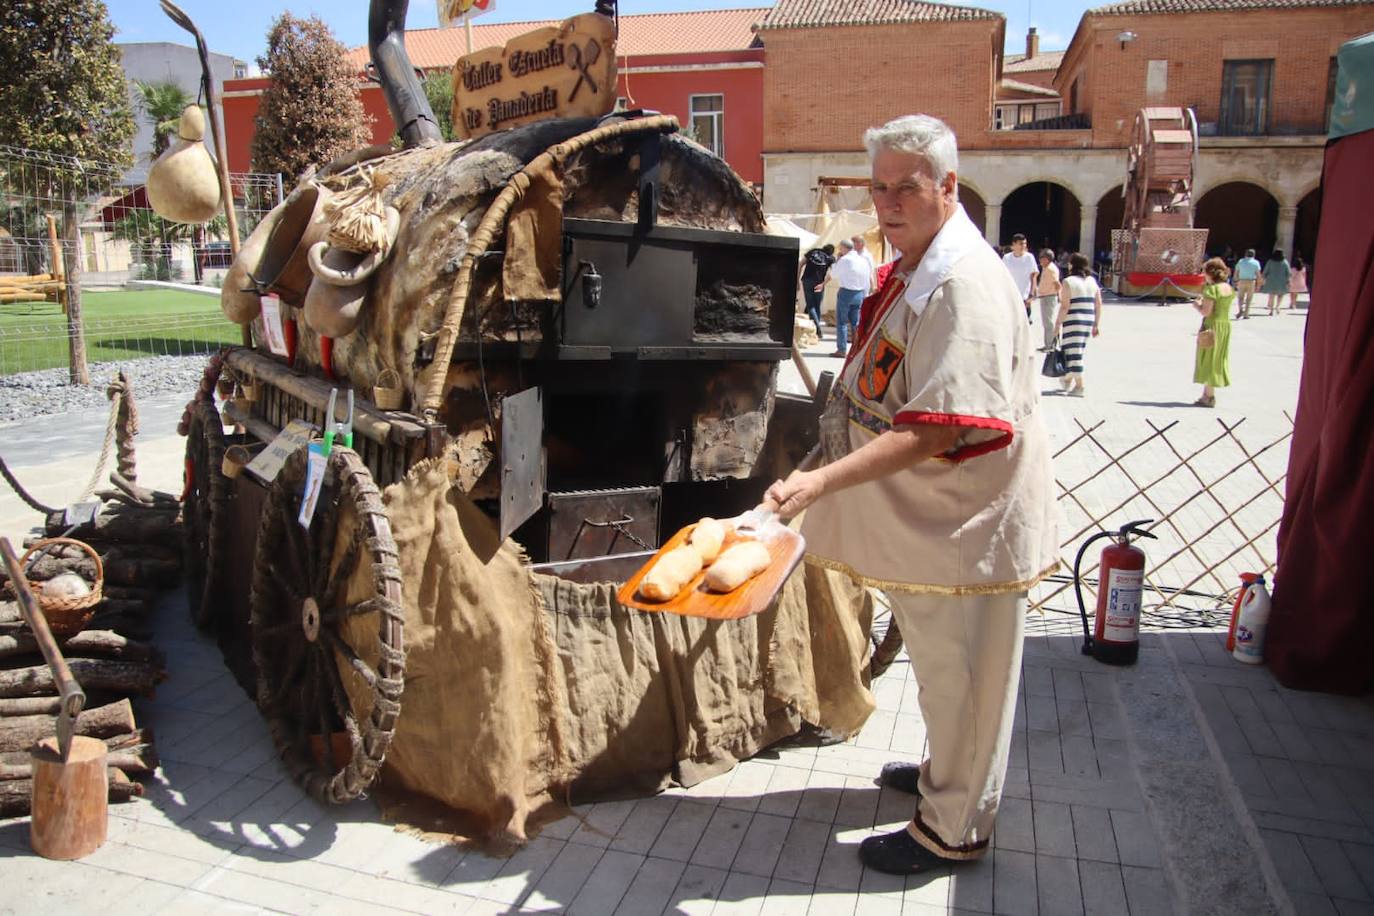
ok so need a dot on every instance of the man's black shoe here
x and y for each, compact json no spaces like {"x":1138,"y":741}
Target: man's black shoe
{"x":902,"y":776}
{"x":897,"y":853}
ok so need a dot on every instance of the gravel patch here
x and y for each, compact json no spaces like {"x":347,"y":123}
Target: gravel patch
{"x":46,"y":392}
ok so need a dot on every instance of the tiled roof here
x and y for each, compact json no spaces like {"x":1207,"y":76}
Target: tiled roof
{"x":1020,"y":63}
{"x":800,"y":14}
{"x":1147,"y":7}
{"x":1017,"y":86}
{"x":648,"y":33}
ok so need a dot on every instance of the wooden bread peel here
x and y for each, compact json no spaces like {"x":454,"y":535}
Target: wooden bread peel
{"x":785,"y":546}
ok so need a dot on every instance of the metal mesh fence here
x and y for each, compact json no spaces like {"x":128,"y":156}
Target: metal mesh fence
{"x":1215,"y":494}
{"x":138,"y":273}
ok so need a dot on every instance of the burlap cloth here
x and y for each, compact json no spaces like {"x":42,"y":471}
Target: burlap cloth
{"x":524,"y":691}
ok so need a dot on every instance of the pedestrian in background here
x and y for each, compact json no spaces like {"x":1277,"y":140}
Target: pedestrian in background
{"x":1047,"y":291}
{"x":854,"y":277}
{"x":1277,"y":273}
{"x":815,"y":266}
{"x":1024,"y":269}
{"x":1080,"y":317}
{"x":1297,"y":282}
{"x":1211,"y":367}
{"x":1247,"y":278}
{"x":861,"y":247}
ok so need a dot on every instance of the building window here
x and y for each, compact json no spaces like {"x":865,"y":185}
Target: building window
{"x":1330,"y":91}
{"x":1073,"y":97}
{"x":1245,"y":88}
{"x":240,"y":71}
{"x":708,"y":122}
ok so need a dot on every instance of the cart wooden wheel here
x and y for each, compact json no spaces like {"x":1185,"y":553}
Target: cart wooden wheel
{"x":885,"y":647}
{"x":204,"y":511}
{"x":300,"y":587}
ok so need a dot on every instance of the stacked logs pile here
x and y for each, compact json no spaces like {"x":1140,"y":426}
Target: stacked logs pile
{"x":136,"y":533}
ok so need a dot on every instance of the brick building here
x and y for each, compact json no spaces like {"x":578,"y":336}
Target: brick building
{"x":1257,"y":72}
{"x":705,"y":67}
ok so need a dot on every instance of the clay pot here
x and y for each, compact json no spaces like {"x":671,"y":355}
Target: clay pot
{"x":284,"y":267}
{"x":239,"y":297}
{"x":333,"y":311}
{"x":183,"y":185}
{"x":336,"y":296}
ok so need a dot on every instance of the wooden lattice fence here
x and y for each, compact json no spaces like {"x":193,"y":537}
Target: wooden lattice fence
{"x":1215,"y":494}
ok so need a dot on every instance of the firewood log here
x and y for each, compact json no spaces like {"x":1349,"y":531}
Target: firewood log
{"x":30,"y":706}
{"x":137,"y":760}
{"x":19,"y":733}
{"x":14,"y":793}
{"x":86,"y":644}
{"x":117,"y":522}
{"x":128,"y":678}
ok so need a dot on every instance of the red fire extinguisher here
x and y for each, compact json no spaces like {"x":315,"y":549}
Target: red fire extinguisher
{"x":1115,"y":639}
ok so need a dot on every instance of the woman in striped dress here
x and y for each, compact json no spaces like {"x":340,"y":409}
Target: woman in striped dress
{"x":1080,"y":317}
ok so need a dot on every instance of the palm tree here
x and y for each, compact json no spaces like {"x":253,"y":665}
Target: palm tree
{"x":163,"y":103}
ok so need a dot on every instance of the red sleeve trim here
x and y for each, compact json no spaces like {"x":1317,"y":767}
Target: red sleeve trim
{"x":913,"y":417}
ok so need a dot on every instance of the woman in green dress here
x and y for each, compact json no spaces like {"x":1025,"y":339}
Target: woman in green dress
{"x":1211,"y":369}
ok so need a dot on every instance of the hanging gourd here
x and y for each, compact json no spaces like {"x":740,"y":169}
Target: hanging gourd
{"x":183,"y":185}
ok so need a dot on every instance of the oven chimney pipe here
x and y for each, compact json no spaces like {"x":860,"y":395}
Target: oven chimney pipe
{"x":1032,"y":43}
{"x":405,"y":98}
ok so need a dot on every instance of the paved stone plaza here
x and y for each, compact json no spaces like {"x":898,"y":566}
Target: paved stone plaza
{"x":1189,"y":783}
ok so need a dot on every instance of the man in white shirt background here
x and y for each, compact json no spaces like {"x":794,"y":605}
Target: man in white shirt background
{"x":862,"y":248}
{"x":1024,"y":269}
{"x":854,"y":274}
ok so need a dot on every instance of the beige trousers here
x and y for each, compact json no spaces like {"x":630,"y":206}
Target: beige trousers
{"x":966,"y":656}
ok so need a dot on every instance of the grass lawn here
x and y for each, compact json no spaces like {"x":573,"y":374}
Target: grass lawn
{"x":119,"y":325}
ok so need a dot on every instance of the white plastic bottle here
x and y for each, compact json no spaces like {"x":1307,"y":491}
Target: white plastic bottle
{"x":1254,"y":620}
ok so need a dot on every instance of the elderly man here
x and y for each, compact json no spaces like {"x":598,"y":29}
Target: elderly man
{"x":936,"y":487}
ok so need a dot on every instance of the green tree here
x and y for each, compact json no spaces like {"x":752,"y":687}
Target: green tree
{"x":439,"y":91}
{"x":63,"y":93}
{"x":311,"y":113}
{"x":162,"y":104}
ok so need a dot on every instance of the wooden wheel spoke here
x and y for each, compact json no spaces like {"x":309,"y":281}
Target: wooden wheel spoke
{"x":284,"y":581}
{"x":324,"y":697}
{"x":297,"y":557}
{"x":326,"y":529}
{"x":363,"y":669}
{"x":339,"y":577}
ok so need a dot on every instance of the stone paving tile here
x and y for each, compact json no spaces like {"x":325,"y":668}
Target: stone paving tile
{"x":1104,"y":892}
{"x":1057,"y":885}
{"x":722,"y":838}
{"x":741,"y":895}
{"x":683,"y":831}
{"x":802,"y":851}
{"x":641,"y":828}
{"x":1147,"y":891}
{"x":1013,"y":886}
{"x":697,"y":890}
{"x":607,"y":883}
{"x":561,"y":882}
{"x":652,"y":888}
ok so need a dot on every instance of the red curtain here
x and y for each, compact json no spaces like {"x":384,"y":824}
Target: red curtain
{"x":1321,"y":630}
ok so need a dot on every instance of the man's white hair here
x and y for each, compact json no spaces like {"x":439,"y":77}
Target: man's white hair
{"x":924,"y":136}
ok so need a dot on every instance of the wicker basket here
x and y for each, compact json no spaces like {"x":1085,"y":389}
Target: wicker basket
{"x":67,"y":616}
{"x":236,"y":458}
{"x":387,"y":393}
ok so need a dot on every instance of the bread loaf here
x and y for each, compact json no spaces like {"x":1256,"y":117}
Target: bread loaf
{"x":670,"y":574}
{"x":737,"y":565}
{"x":707,"y":537}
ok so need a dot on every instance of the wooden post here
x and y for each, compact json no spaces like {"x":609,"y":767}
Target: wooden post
{"x":70,"y":800}
{"x":59,"y":270}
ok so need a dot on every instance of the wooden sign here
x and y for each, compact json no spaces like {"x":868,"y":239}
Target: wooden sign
{"x":561,"y":71}
{"x":268,"y":462}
